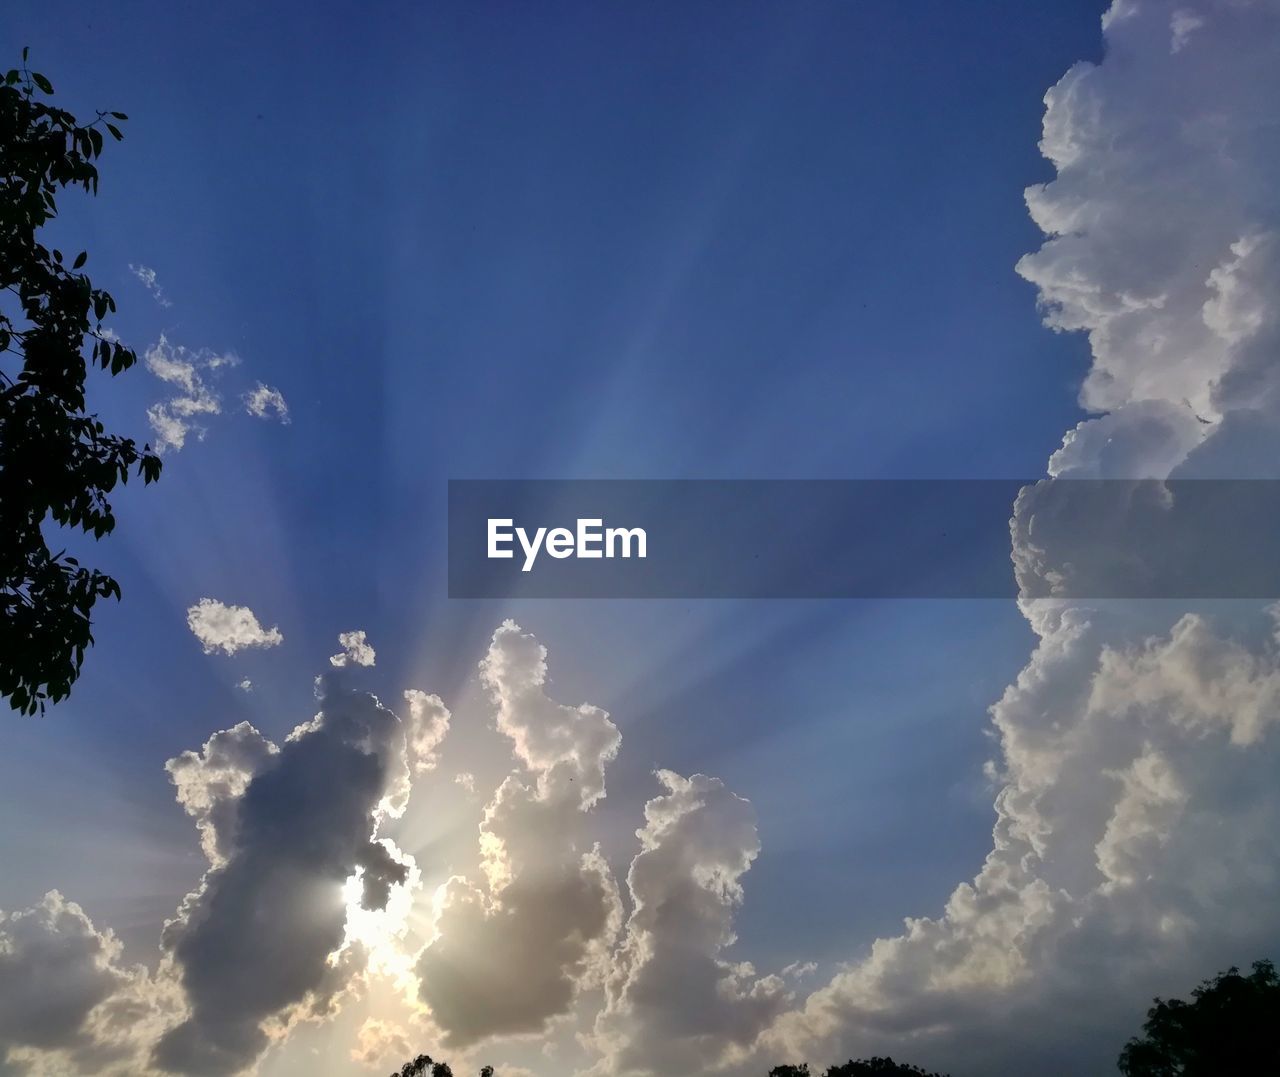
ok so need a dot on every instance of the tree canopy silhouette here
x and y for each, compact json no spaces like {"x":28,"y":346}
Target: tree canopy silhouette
{"x":866,"y":1067}
{"x":424,"y":1066}
{"x":1229,"y":1028}
{"x":57,"y":461}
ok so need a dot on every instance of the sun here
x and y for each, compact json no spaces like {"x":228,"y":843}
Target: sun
{"x":383,"y":933}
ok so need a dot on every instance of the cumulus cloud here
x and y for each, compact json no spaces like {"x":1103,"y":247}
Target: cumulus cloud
{"x":512,"y":949}
{"x":428,"y":723}
{"x":150,"y":282}
{"x":674,"y":1004}
{"x":190,"y":374}
{"x":264,"y":402}
{"x":67,"y":1004}
{"x":261,"y":941}
{"x":228,"y":629}
{"x":209,"y":784}
{"x":1135,"y":846}
{"x":356,"y":651}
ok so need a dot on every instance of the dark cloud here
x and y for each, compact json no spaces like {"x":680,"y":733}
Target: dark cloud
{"x":254,"y":942}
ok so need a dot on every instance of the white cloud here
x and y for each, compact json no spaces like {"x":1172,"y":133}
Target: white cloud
{"x":1135,"y":851}
{"x":356,"y":651}
{"x":1135,"y":846}
{"x":428,"y":723}
{"x":210,"y":782}
{"x":674,"y":1004}
{"x":245,"y":685}
{"x":187,"y":371}
{"x":547,"y":906}
{"x":228,"y":629}
{"x":264,"y":402}
{"x":147,"y":276}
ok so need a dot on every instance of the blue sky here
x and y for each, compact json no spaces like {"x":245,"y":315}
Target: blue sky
{"x":559,"y":241}
{"x":565,"y":243}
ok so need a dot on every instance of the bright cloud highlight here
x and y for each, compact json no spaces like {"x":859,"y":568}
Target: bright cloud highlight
{"x":229,"y":629}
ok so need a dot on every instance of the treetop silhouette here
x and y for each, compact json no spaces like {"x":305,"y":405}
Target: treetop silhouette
{"x":57,"y":460}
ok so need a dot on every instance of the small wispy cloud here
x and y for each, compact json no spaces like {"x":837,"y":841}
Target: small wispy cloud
{"x":228,"y":629}
{"x":176,"y":417}
{"x":1182,"y":25}
{"x":264,"y":402}
{"x":147,"y":276}
{"x":245,"y":685}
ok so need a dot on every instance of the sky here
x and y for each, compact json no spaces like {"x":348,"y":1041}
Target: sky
{"x":362,"y":255}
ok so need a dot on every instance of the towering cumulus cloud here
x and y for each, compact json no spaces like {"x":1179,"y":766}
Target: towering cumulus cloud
{"x":511,"y":950}
{"x":674,"y":1005}
{"x":1137,"y":830}
{"x":285,"y":829}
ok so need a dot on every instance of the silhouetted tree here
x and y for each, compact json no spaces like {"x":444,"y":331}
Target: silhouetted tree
{"x":1231,"y":1027}
{"x":423,"y":1066}
{"x":879,"y":1067}
{"x":867,"y":1067}
{"x":57,"y":461}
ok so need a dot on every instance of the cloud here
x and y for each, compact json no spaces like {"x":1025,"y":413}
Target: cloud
{"x":1158,"y":217}
{"x":54,"y":969}
{"x":513,"y":949}
{"x":1135,"y":846}
{"x":264,"y":402}
{"x":194,"y":374}
{"x":228,"y":629}
{"x":377,"y":1041}
{"x":1182,"y":24}
{"x":245,"y":685}
{"x":209,"y":784}
{"x":1135,"y":850}
{"x":356,"y":651}
{"x":674,"y":1004}
{"x":428,"y":723}
{"x":67,"y":1005}
{"x":175,"y":418}
{"x":260,"y":943}
{"x":1136,"y":841}
{"x":147,"y":276}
